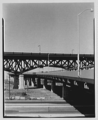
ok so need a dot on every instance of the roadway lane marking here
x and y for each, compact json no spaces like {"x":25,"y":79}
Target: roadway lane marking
{"x":38,"y":106}
{"x":36,"y":103}
{"x":47,"y":115}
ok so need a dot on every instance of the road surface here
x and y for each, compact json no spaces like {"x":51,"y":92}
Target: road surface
{"x":41,"y":110}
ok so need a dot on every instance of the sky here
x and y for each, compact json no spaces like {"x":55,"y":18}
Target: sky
{"x":53,"y":26}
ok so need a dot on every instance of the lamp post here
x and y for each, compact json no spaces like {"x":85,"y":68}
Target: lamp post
{"x":48,"y":62}
{"x":72,"y":51}
{"x":9,"y":84}
{"x":48,"y":59}
{"x":39,"y":60}
{"x":39,"y":48}
{"x":91,"y":10}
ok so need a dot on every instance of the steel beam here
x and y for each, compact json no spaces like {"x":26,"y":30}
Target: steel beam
{"x":21,"y":62}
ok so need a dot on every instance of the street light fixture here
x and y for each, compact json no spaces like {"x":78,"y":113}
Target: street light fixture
{"x":91,"y":10}
{"x":48,"y":59}
{"x":39,"y":48}
{"x":39,"y":60}
{"x":72,"y":51}
{"x":48,"y":62}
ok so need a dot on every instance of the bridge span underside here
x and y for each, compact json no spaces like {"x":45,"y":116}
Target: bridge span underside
{"x":79,"y":92}
{"x":21,"y":62}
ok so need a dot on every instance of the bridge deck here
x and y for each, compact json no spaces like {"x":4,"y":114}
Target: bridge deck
{"x":85,"y":76}
{"x":45,"y":55}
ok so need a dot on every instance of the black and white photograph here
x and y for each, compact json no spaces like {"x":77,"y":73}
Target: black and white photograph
{"x":48,"y":60}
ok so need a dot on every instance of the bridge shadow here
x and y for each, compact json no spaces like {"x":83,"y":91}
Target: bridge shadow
{"x":82,"y":100}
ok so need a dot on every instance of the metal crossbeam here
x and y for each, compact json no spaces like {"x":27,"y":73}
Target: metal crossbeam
{"x":21,"y":62}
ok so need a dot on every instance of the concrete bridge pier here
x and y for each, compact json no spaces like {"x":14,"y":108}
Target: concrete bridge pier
{"x":25,"y":79}
{"x":21,"y":81}
{"x":33,"y":80}
{"x":24,"y":82}
{"x":16,"y":81}
{"x":48,"y":85}
{"x":45,"y":84}
{"x":38,"y":83}
{"x":52,"y":86}
{"x":32,"y":83}
{"x":29,"y":81}
{"x":66,"y":91}
{"x":63,"y":90}
{"x":75,"y":91}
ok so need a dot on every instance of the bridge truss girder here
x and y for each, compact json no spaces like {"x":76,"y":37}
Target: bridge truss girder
{"x":19,"y":65}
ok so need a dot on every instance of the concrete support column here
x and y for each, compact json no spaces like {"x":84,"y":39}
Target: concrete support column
{"x":16,"y":82}
{"x":33,"y":80}
{"x":52,"y":86}
{"x":45,"y":84}
{"x":63,"y":90}
{"x":67,"y":92}
{"x":41,"y":81}
{"x":38,"y":83}
{"x":24,"y":82}
{"x":27,"y":82}
{"x":21,"y":82}
{"x":32,"y":83}
{"x":76,"y":91}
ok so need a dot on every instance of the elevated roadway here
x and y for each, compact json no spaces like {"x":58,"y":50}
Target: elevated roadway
{"x":55,"y":56}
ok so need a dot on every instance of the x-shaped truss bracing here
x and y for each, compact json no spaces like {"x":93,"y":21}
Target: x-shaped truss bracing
{"x":22,"y":65}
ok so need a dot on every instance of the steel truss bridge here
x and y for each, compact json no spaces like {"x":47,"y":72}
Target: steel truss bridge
{"x":18,"y":62}
{"x":75,"y":90}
